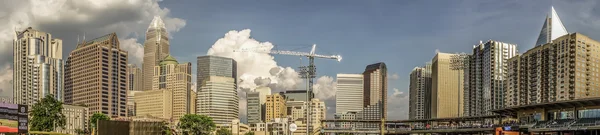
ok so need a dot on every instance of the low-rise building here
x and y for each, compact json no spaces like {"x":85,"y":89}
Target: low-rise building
{"x":156,"y":103}
{"x":76,"y":118}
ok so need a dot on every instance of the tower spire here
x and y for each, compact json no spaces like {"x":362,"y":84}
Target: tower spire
{"x":552,"y":28}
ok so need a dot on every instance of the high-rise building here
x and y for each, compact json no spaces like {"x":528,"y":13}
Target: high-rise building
{"x":275,"y":107}
{"x":552,"y":29}
{"x":155,"y":103}
{"x":420,"y":83}
{"x":175,"y":76}
{"x":96,"y":76}
{"x":318,"y":111}
{"x":215,"y":66}
{"x":135,"y":78}
{"x":446,"y":88}
{"x":487,"y":77}
{"x":217,"y":98}
{"x":131,"y":103}
{"x":253,"y":107}
{"x":565,"y":69}
{"x":349,"y":95}
{"x":156,"y":47}
{"x":375,"y":91}
{"x":38,"y":67}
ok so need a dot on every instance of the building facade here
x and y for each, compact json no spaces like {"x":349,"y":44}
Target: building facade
{"x":565,"y":69}
{"x":96,"y":76}
{"x":156,"y":47}
{"x":76,"y":118}
{"x":295,"y":95}
{"x":487,"y":77}
{"x":418,"y":86}
{"x":253,"y":107}
{"x":177,"y":77}
{"x":155,"y":103}
{"x":38,"y":67}
{"x":135,"y":78}
{"x":215,"y":66}
{"x":446,"y":88}
{"x":350,"y":92}
{"x":217,"y":98}
{"x":131,"y":103}
{"x":275,"y":107}
{"x":375,"y":91}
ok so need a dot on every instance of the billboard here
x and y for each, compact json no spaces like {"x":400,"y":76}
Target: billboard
{"x":13,"y":118}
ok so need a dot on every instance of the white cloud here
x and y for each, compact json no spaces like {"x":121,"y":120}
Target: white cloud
{"x":6,"y":85}
{"x":66,"y":19}
{"x":134,"y":49}
{"x":394,"y":76}
{"x":325,"y":88}
{"x":399,"y":94}
{"x":398,"y":105}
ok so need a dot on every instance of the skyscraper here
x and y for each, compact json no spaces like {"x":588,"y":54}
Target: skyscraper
{"x":349,"y":95}
{"x":253,"y":107}
{"x":217,"y":98}
{"x":417,"y":88}
{"x":445,"y":88}
{"x":135,"y":78}
{"x":552,"y":29}
{"x":375,"y":92}
{"x":564,"y":69}
{"x":215,"y":66}
{"x":96,"y":73}
{"x":38,"y":68}
{"x":487,"y":77}
{"x":175,"y":76}
{"x":156,"y":47}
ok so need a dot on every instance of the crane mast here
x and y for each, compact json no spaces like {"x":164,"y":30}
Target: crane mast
{"x":306,"y":72}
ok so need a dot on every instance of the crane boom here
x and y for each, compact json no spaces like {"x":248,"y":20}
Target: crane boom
{"x":294,"y":53}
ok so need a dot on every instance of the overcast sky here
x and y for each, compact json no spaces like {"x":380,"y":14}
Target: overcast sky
{"x":403,"y":34}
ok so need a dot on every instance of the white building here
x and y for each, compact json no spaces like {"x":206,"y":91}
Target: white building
{"x":349,"y":95}
{"x":217,"y":98}
{"x":38,"y":67}
{"x":76,"y":118}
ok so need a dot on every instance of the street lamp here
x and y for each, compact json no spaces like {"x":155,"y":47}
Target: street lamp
{"x":457,"y":62}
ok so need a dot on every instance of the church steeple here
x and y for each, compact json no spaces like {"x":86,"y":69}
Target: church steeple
{"x":552,"y":29}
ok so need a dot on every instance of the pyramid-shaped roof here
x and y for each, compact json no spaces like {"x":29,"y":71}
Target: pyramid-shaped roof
{"x":552,"y":29}
{"x":169,"y":60}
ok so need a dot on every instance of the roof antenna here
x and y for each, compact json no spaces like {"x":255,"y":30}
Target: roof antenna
{"x":77,"y":38}
{"x":83,"y":36}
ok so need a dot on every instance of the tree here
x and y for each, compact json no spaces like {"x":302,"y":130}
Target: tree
{"x":47,"y":115}
{"x":196,"y":124}
{"x":249,"y":133}
{"x":94,"y":119}
{"x":80,"y":131}
{"x":224,"y":131}
{"x":165,"y":129}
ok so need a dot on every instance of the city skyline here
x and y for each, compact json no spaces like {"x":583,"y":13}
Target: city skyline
{"x":185,"y":48}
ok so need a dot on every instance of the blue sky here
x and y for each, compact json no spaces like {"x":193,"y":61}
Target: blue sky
{"x":401,"y":33}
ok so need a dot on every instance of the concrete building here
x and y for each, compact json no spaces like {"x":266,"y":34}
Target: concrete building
{"x":177,"y":77}
{"x":420,"y":84}
{"x":486,"y":73}
{"x":96,"y":76}
{"x":275,"y":107}
{"x":318,"y":113}
{"x":135,"y":78}
{"x":349,"y":95}
{"x":38,"y":66}
{"x":345,"y":116}
{"x":375,"y":92}
{"x":131,"y":103}
{"x":156,"y":47}
{"x":446,"y":89}
{"x":215,"y":66}
{"x":76,"y":118}
{"x":155,"y":103}
{"x":217,"y":98}
{"x":569,"y":71}
{"x":253,"y":107}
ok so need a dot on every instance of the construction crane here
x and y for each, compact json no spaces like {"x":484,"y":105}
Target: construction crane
{"x":306,"y":72}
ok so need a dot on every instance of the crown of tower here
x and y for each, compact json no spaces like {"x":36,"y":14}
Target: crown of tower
{"x":157,"y":23}
{"x":552,"y":29}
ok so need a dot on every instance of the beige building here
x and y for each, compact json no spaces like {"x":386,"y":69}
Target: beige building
{"x":217,"y":98}
{"x":135,"y":78}
{"x":96,"y":76}
{"x":446,"y":89}
{"x":76,"y":118}
{"x":275,"y":107}
{"x":171,"y":75}
{"x":156,"y":47}
{"x":570,"y":71}
{"x":38,"y":66}
{"x":131,"y":103}
{"x":349,"y":96}
{"x":155,"y":103}
{"x":375,"y":94}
